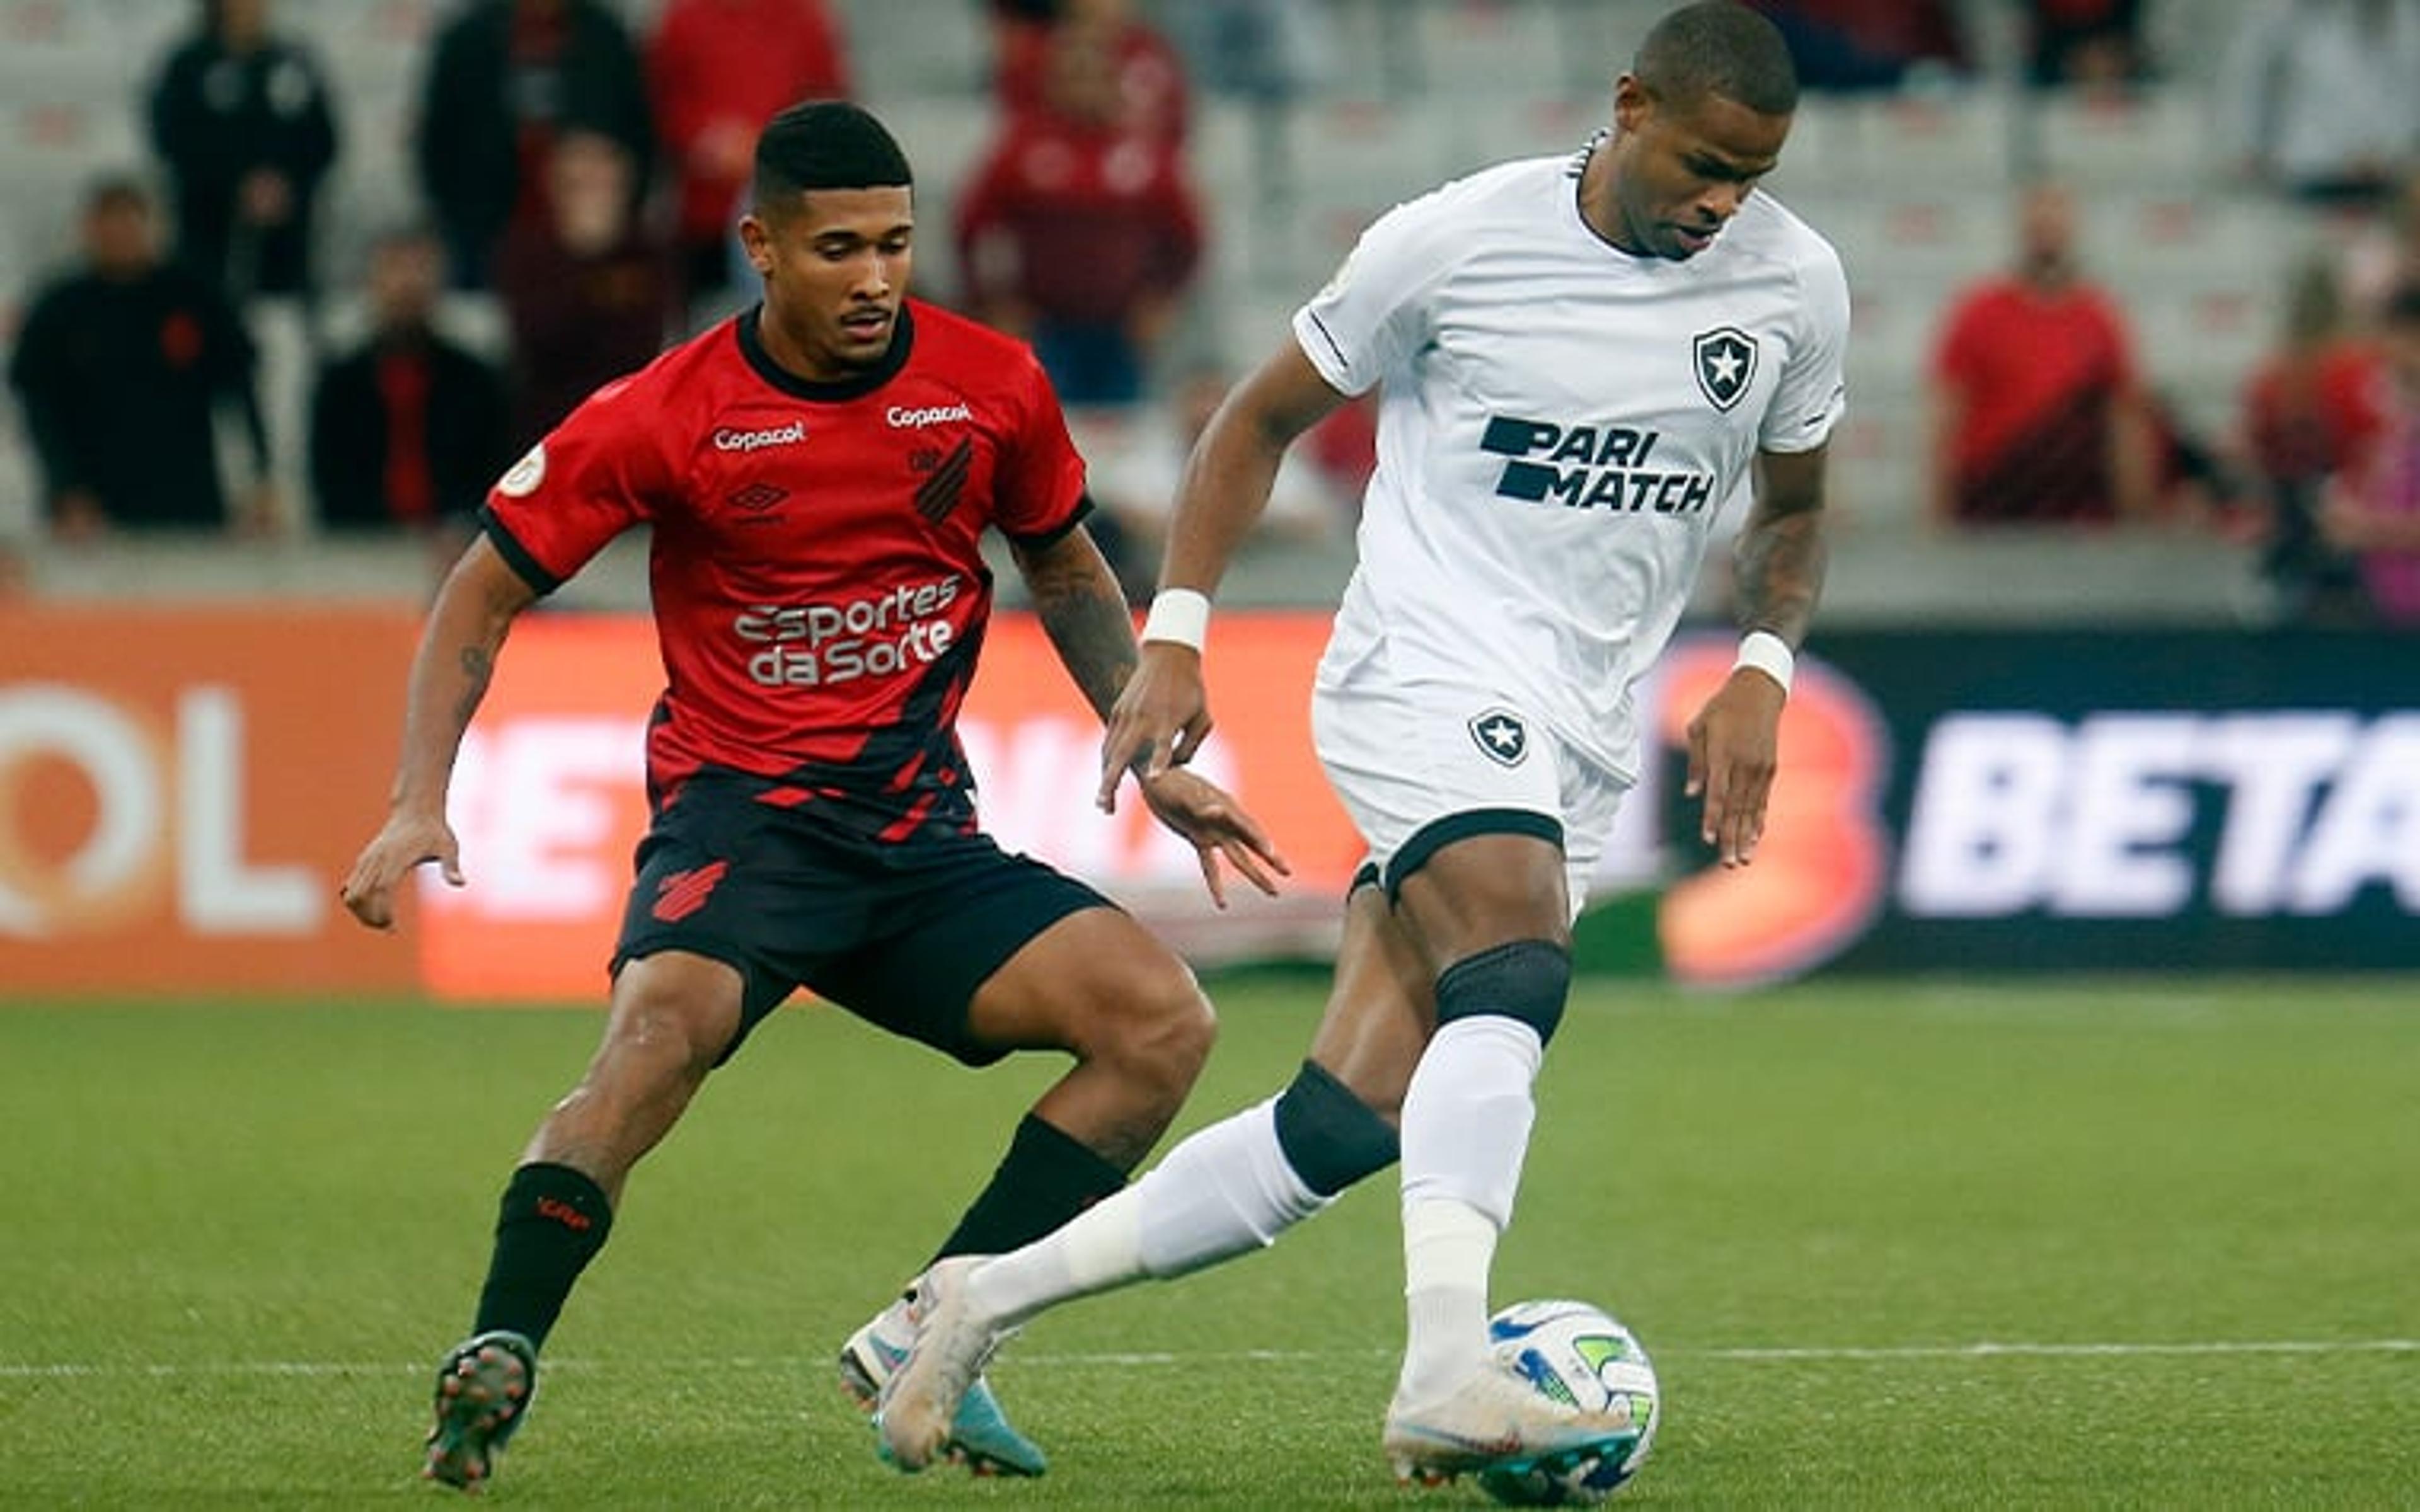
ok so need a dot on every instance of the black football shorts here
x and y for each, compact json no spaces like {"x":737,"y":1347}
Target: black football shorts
{"x":900,"y":934}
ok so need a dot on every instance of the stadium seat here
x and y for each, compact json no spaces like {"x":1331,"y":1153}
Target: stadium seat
{"x":904,"y":48}
{"x":2213,"y":334}
{"x":2152,"y":141}
{"x":1893,"y":325}
{"x":1365,"y":150}
{"x":1538,"y":126}
{"x":1877,"y":480}
{"x":63,"y":131}
{"x":1480,"y":50}
{"x":59,"y":40}
{"x":1955,"y":143}
{"x":1932,"y":239}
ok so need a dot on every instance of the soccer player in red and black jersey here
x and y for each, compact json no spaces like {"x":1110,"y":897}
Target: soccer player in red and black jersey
{"x":817,"y":474}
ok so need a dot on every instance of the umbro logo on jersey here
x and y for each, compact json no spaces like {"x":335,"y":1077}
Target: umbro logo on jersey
{"x":756,"y":498}
{"x":1726,"y":364}
{"x":1501,"y":736}
{"x":728,"y":440}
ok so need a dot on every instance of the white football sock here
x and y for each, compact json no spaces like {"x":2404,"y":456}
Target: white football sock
{"x":1466,"y":1120}
{"x":1448,"y":1247}
{"x":1223,"y":1191}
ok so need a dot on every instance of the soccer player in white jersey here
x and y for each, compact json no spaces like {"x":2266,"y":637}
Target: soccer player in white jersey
{"x":1577,"y":361}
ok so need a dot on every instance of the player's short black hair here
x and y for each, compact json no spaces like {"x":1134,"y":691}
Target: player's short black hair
{"x":826,"y":143}
{"x":1718,"y":47}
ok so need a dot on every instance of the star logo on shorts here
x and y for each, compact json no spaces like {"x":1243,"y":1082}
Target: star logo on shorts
{"x":1501,"y":738}
{"x":1726,"y":362}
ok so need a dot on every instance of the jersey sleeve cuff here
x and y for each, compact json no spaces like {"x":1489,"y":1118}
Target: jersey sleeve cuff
{"x":1034,"y":541}
{"x":1326,"y":357}
{"x":516,"y":555}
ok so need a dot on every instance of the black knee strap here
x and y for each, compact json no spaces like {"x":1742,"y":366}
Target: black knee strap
{"x":1329,"y":1136}
{"x":1526,"y":979}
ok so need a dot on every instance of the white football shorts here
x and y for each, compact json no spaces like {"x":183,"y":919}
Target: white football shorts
{"x":1408,"y":756}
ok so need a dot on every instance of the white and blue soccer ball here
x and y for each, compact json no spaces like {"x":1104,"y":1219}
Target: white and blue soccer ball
{"x":1575,"y":1352}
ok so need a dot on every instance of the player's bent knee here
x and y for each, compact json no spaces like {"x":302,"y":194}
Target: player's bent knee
{"x":1187,"y":1027}
{"x":1161,"y":1025}
{"x":669,"y":1021}
{"x":1330,"y":1137}
{"x":1526,"y":979}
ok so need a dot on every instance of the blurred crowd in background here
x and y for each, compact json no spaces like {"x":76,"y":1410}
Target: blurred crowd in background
{"x":2126,"y":271}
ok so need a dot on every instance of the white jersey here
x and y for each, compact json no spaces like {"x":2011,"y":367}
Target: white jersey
{"x":1561,"y":422}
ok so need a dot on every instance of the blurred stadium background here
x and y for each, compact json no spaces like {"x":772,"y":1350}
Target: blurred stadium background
{"x":2026,"y":747}
{"x":1913,"y":186}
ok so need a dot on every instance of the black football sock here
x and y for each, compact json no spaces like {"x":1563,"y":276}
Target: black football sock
{"x":552,"y":1223}
{"x":1046,"y":1178}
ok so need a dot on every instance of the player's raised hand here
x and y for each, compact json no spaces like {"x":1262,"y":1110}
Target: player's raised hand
{"x":406,"y":841}
{"x":1160,"y":720}
{"x":1733,"y":744}
{"x":1217,"y":826}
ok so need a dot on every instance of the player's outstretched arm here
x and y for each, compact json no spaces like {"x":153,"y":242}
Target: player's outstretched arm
{"x":466,"y":629}
{"x":1163,"y":715}
{"x":1086,"y":617}
{"x":1734,"y":740}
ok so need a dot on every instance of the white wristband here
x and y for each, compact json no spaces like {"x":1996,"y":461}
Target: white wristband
{"x":1180,"y":616}
{"x":1768,"y":654}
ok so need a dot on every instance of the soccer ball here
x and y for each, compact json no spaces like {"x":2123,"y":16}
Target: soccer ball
{"x":1576,"y":1353}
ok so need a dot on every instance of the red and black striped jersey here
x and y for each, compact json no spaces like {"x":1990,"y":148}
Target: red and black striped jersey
{"x":821,"y":592}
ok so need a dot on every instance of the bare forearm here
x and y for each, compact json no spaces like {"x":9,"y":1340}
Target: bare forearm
{"x":1085,"y":615}
{"x":1779,"y":574}
{"x":450,"y":673}
{"x":1233,"y":468}
{"x":1227,"y":484}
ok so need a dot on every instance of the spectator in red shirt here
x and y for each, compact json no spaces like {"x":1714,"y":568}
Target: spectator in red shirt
{"x":1082,"y":231}
{"x":2314,"y":404}
{"x":588,"y":295}
{"x":718,"y":70}
{"x":2039,"y":413}
{"x":1154,"y":95}
{"x":2374,"y":511}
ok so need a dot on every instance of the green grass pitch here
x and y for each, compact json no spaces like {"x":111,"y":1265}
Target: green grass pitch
{"x":1936,"y":1245}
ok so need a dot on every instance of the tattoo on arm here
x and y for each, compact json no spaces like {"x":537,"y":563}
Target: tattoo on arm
{"x":1086,"y":618}
{"x":478,"y":664}
{"x":1779,"y":564}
